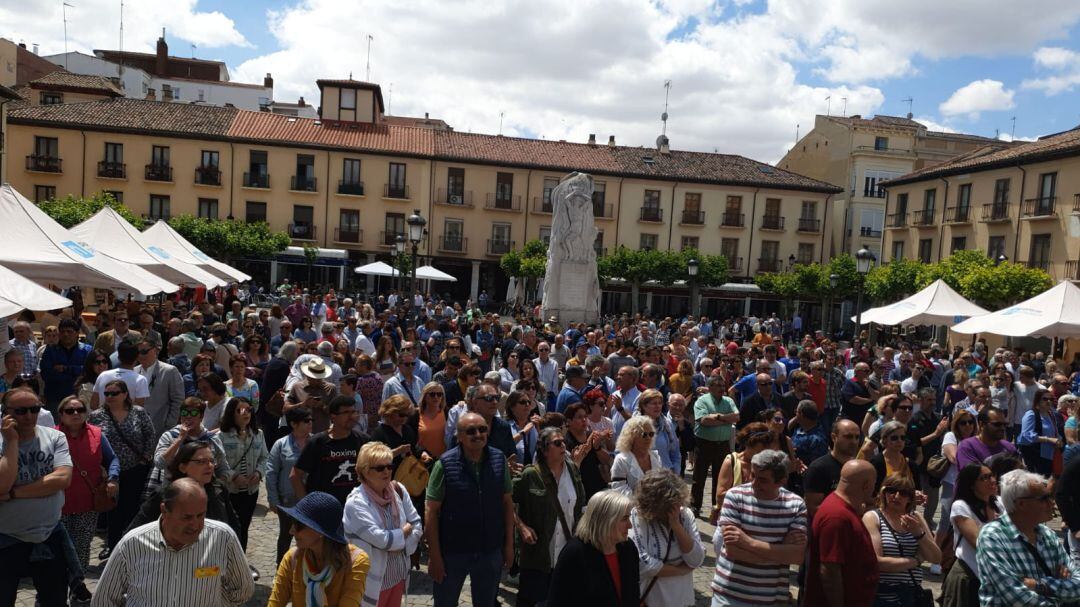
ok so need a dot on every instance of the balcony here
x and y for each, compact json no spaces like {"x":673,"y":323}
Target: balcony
{"x":867,"y":232}
{"x":454,"y":198}
{"x":112,"y":170}
{"x":995,"y":212}
{"x":924,"y":217}
{"x":732,"y":220}
{"x":896,"y":220}
{"x":602,"y":211}
{"x":350,"y":188}
{"x":772,"y":222}
{"x":804,"y":260}
{"x":541,"y":206}
{"x":208,"y":175}
{"x":453,"y":243}
{"x":874,"y":193}
{"x":386,"y":239}
{"x":510,"y":203}
{"x":734,"y":264}
{"x":651,"y":214}
{"x":395,"y":191}
{"x":158,"y":172}
{"x":352,"y":235}
{"x":958,"y":215}
{"x":499,"y":247}
{"x":1038,"y":264}
{"x":257,"y":180}
{"x":693,"y":218}
{"x":302,"y":231}
{"x":769,"y":265}
{"x":298,"y":183}
{"x":1072,"y":270}
{"x":809,"y":226}
{"x":1040,"y":208}
{"x":43,"y":164}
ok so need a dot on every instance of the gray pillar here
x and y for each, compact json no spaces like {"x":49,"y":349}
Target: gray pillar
{"x":273,"y":272}
{"x":474,"y":284}
{"x":341,"y":277}
{"x":370,"y":278}
{"x":695,"y":300}
{"x":648,"y":302}
{"x":746,"y":307}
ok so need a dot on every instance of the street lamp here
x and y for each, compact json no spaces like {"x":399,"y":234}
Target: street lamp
{"x":416,"y":223}
{"x":692,"y":268}
{"x":834,"y":280}
{"x":791,"y":261}
{"x":864,"y":260}
{"x":399,"y":249}
{"x":1000,"y":259}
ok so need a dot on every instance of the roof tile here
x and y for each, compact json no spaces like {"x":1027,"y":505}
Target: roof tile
{"x":61,"y":80}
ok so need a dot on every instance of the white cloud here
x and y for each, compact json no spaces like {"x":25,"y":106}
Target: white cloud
{"x":978,"y":96}
{"x":1063,"y":62}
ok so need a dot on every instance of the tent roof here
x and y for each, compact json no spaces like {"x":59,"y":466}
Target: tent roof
{"x":1052,"y":313}
{"x":109,"y":233}
{"x":377,"y":268}
{"x":937,"y":304}
{"x":18,"y":294}
{"x":43,"y":251}
{"x":432,"y":273}
{"x":162,"y":235}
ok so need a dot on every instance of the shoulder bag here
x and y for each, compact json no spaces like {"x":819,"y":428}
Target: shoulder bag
{"x":99,"y":493}
{"x":924,"y":597}
{"x":412,"y":475}
{"x":652,"y":582}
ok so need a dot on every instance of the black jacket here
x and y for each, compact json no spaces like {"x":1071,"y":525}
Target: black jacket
{"x":218,"y":507}
{"x":581,"y":577}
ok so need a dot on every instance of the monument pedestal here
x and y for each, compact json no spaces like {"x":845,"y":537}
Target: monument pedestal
{"x":575,"y":287}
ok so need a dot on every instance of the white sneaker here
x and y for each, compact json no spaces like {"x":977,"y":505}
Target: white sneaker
{"x":935,"y":569}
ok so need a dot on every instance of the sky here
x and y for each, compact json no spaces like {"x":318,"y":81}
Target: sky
{"x":746,"y":76}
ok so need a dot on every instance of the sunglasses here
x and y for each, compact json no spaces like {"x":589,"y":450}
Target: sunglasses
{"x":473,"y":431}
{"x":648,"y":434}
{"x":894,"y":490}
{"x":191,"y":412}
{"x":113,"y":393}
{"x":491,"y":398}
{"x":559,"y":442}
{"x":145,"y":351}
{"x":407,"y":364}
{"x":437,"y":394}
{"x":24,"y":410}
{"x":965,"y":422}
{"x":381,"y":468}
{"x":74,"y":411}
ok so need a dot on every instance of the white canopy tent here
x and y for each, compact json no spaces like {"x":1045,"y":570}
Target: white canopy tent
{"x":937,"y":304}
{"x":377,"y":268}
{"x":18,"y":294}
{"x":433,"y":273}
{"x":43,"y":251}
{"x":1053,"y":313}
{"x":164,"y":237}
{"x":110,"y":234}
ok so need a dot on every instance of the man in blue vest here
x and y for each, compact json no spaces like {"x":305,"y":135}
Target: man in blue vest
{"x":470,"y":517}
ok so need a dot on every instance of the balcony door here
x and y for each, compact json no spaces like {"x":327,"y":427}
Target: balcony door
{"x":159,"y":156}
{"x":47,"y":147}
{"x":1047,"y":192}
{"x":504,"y":190}
{"x":963,"y":202}
{"x":454,"y":235}
{"x":303,"y":221}
{"x":210,"y":158}
{"x":455,"y":185}
{"x":1040,"y":251}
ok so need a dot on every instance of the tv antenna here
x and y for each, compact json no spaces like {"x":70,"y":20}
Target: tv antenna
{"x":844,"y":99}
{"x":120,"y":66}
{"x":664,"y":116}
{"x":64,"y":9}
{"x":828,"y":105}
{"x":367,"y":71}
{"x":1013,"y":133}
{"x":501,"y":114}
{"x":797,"y":132}
{"x":910,"y":102}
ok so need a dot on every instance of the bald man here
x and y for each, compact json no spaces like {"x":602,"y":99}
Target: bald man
{"x":842,"y":570}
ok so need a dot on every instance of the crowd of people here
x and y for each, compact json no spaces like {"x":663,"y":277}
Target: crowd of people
{"x":570,"y":460}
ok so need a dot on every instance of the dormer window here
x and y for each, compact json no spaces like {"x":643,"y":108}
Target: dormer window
{"x":348,"y":99}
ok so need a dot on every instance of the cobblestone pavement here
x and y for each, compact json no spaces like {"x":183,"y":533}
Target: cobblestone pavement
{"x":262,"y":553}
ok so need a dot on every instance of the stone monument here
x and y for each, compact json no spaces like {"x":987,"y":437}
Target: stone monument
{"x":571,"y":285}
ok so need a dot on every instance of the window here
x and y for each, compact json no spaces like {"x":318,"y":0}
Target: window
{"x":454,"y":235}
{"x":504,"y":190}
{"x":305,"y":173}
{"x":51,"y":98}
{"x":771,"y":219}
{"x":202,"y":95}
{"x":689,"y":242}
{"x":350,"y":171}
{"x":257,"y":175}
{"x":870,"y":222}
{"x":455,"y":185}
{"x":901,"y":204}
{"x":175,"y":92}
{"x":1047,"y":193}
{"x":770,"y":249}
{"x":808,"y":210}
{"x":772,"y":207}
{"x":1039,"y":256}
{"x":872,"y":182}
{"x":348,"y":226}
{"x":208,"y":208}
{"x":806,"y":253}
{"x":348,"y":99}
{"x":43,"y":193}
{"x":959,"y":243}
{"x":549,"y":185}
{"x":210,"y":158}
{"x":881,"y":143}
{"x":692,"y":202}
{"x":598,"y":244}
{"x":394,"y":225}
{"x":926,"y":249}
{"x":1001,"y":192}
{"x":159,"y":156}
{"x":255,"y":212}
{"x":47,"y":147}
{"x":995,"y":247}
{"x":500,"y":232}
{"x":117,"y":195}
{"x":114,"y":153}
{"x":303,"y":222}
{"x":598,"y":198}
{"x":929,"y":199}
{"x":692,"y":212}
{"x":396,"y":185}
{"x":734,"y":204}
{"x":897,"y":250}
{"x":647,"y":242}
{"x":545,"y":234}
{"x":159,"y":207}
{"x":963,"y":201}
{"x":729,"y":247}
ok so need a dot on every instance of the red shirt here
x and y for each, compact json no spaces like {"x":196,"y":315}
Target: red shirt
{"x":613,"y":568}
{"x":85,"y":450}
{"x":838,"y":536}
{"x":817,"y":393}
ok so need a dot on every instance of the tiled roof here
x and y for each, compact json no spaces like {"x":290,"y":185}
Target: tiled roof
{"x":998,"y":155}
{"x":7,"y":93}
{"x":61,"y":80}
{"x":196,"y":120}
{"x":113,"y":54}
{"x":879,"y":121}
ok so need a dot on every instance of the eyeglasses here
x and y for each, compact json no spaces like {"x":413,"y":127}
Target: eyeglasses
{"x":894,"y":490}
{"x":202,"y":461}
{"x":381,"y":467}
{"x":24,"y":410}
{"x":243,"y":410}
{"x":491,"y":398}
{"x":190,"y":412}
{"x":437,"y":394}
{"x":145,"y":351}
{"x":473,"y":431}
{"x":648,"y":434}
{"x":412,"y":364}
{"x":113,"y":393}
{"x":895,"y":437}
{"x":74,"y":411}
{"x":559,"y":442}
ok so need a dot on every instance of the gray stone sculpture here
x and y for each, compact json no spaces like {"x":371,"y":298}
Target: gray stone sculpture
{"x":571,"y":285}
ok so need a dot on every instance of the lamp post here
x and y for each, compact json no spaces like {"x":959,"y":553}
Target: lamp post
{"x":416,"y":223}
{"x":834,"y":279}
{"x":864,"y":260}
{"x":399,"y":249}
{"x":692,"y":268}
{"x":791,"y":261}
{"x":1000,"y":259}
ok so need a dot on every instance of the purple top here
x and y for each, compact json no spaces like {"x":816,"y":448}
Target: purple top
{"x":974,"y":451}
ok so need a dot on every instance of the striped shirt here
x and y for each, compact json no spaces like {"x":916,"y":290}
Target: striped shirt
{"x":144,"y":571}
{"x":900,"y":544}
{"x":740,"y":583}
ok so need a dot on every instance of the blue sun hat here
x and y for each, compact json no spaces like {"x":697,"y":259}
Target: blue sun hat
{"x":321,"y":512}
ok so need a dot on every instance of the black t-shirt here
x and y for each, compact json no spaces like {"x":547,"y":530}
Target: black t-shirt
{"x":822,"y":475}
{"x":331,"y":464}
{"x":592,"y":479}
{"x":850,"y":410}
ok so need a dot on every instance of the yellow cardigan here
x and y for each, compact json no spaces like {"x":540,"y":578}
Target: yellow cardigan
{"x":344,"y":589}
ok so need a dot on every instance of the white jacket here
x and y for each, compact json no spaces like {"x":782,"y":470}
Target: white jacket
{"x":363,"y":529}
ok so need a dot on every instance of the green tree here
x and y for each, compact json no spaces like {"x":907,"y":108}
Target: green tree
{"x":228,"y":240}
{"x":529,"y":264}
{"x":899,"y":279}
{"x":994,"y":287}
{"x":71,"y":210}
{"x":311,"y":254}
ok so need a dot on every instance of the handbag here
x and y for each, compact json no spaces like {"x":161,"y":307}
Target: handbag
{"x":924,"y":597}
{"x":938,"y":466}
{"x":100,"y":493}
{"x":275,"y":404}
{"x":412,"y":475}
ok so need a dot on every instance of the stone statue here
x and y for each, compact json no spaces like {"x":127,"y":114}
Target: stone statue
{"x":571,"y":285}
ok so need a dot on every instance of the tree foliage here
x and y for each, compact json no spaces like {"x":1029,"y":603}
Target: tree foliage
{"x":71,"y":210}
{"x":230,"y":239}
{"x":529,"y":262}
{"x":894,"y":281}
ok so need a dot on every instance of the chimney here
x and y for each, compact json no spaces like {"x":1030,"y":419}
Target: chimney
{"x":268,"y":81}
{"x":663,"y":145}
{"x":611,"y":141}
{"x":22,"y":45}
{"x":35,"y":48}
{"x":161,"y":63}
{"x":150,"y":95}
{"x":592,"y":138}
{"x":301,"y":102}
{"x":909,"y":114}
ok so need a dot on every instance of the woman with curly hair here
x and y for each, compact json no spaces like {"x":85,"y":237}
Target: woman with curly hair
{"x":636,"y":456}
{"x":666,"y":535}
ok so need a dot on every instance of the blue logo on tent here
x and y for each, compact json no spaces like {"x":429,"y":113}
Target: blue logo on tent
{"x":78,"y":249}
{"x":200,"y":255}
{"x":159,"y":252}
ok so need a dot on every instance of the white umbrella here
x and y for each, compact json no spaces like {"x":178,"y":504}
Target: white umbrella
{"x":18,"y":294}
{"x":110,"y":234}
{"x":511,"y":289}
{"x":432,"y":273}
{"x":1053,"y":313}
{"x":937,"y":304}
{"x":377,"y":268}
{"x":43,"y":251}
{"x":164,"y":237}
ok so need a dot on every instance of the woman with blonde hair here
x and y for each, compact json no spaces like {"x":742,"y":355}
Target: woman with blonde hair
{"x":683,"y":381}
{"x":666,"y":535}
{"x":381,"y":520}
{"x":635,"y":454}
{"x":429,"y":420}
{"x":599,"y":566}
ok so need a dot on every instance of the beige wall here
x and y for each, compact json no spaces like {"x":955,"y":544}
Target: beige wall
{"x":1017,"y":230}
{"x":331,"y":109}
{"x":8,"y":62}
